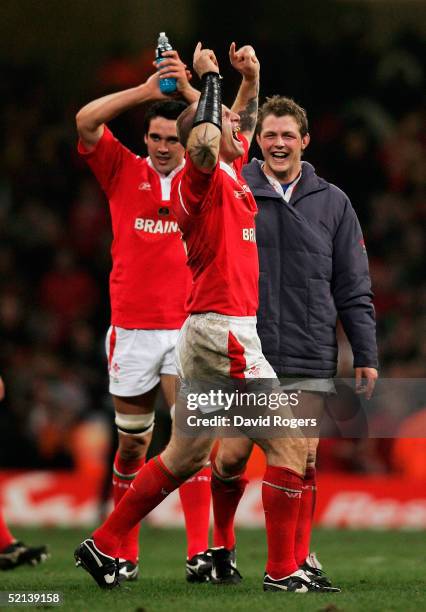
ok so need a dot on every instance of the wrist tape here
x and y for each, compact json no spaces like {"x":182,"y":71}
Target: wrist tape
{"x":209,"y":108}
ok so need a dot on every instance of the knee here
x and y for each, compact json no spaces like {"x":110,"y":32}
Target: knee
{"x":312,"y":452}
{"x":185,"y":462}
{"x":231,"y":461}
{"x":132,"y":447}
{"x":135,"y":432}
{"x":291,"y":453}
{"x":195,"y":459}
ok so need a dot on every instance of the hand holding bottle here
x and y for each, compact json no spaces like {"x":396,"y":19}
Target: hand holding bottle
{"x":168,"y":84}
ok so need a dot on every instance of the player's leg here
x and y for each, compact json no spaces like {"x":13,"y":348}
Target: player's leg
{"x":307,"y":560}
{"x":133,"y":363}
{"x":307,"y":505}
{"x":228,"y":485}
{"x":313,"y":406}
{"x":134,"y":418}
{"x":243,"y":357}
{"x":281,"y":493}
{"x":6,"y":538}
{"x":182,"y":458}
{"x":14,"y":553}
{"x":195,"y":497}
{"x":281,"y":496}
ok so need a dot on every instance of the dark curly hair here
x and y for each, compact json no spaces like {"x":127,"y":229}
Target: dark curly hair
{"x":168,"y":109}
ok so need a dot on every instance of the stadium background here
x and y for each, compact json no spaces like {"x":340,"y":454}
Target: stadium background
{"x":358,"y":67}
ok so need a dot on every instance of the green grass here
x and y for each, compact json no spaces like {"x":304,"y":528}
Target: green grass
{"x":378,"y":571}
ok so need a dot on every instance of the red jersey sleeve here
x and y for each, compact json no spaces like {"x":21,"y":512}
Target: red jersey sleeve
{"x":195,"y":188}
{"x":106,"y":159}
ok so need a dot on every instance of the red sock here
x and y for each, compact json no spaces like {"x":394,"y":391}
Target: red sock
{"x":195,"y":495}
{"x":281,"y":493}
{"x":124,"y":472}
{"x":152,"y":484}
{"x":226,"y":495}
{"x":6,"y":538}
{"x":306,"y":515}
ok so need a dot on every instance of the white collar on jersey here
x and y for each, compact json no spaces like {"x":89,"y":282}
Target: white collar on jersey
{"x":165,"y":180}
{"x":228,"y":169}
{"x":278,"y":187}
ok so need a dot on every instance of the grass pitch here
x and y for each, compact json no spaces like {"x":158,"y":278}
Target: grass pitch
{"x":377,"y":571}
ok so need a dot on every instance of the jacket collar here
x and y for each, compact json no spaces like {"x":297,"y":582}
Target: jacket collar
{"x":261,"y":187}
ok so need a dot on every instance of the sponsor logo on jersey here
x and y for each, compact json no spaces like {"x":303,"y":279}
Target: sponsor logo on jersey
{"x":249,"y":234}
{"x":145,"y":187}
{"x":241,"y":194}
{"x":156,"y":226}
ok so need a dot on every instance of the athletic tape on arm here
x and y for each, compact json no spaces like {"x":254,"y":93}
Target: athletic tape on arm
{"x":209,"y":109}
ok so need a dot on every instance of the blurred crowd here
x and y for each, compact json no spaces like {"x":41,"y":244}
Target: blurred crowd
{"x":368,"y":136}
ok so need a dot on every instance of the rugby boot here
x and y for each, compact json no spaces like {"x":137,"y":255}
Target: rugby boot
{"x":297,"y":582}
{"x":127,"y":570}
{"x":199,"y":567}
{"x":102,"y":568}
{"x":224,"y":567}
{"x":19,"y":553}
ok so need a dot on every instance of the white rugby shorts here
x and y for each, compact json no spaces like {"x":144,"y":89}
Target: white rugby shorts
{"x":137,"y":357}
{"x":220,"y":348}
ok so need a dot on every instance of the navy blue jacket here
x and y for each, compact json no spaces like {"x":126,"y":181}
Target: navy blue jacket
{"x":313,"y":269}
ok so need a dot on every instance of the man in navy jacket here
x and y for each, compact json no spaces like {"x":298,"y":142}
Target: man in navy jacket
{"x":313,"y":262}
{"x":313,"y":271}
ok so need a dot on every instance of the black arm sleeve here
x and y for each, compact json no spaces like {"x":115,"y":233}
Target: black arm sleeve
{"x":209,"y":108}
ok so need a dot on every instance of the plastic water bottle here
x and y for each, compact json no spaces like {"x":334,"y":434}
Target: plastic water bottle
{"x":167,"y":86}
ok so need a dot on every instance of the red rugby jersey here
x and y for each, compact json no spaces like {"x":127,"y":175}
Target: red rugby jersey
{"x":149,"y":277}
{"x":216,"y":214}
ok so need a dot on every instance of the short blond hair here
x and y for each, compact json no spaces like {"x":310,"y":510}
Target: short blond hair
{"x":281,"y":106}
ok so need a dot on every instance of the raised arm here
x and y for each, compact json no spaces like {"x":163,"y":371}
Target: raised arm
{"x":92,"y":117}
{"x":246,"y":103}
{"x":204,"y":138}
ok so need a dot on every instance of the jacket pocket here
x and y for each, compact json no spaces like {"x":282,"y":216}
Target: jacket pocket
{"x":322,"y":313}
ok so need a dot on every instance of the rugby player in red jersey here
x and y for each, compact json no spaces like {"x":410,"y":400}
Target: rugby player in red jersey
{"x":216,"y":212}
{"x":14,"y":553}
{"x":148,"y":286}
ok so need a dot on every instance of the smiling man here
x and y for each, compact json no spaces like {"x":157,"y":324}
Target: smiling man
{"x":282,"y":139}
{"x":313,"y":271}
{"x":313,"y":262}
{"x":148,"y":285}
